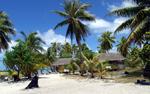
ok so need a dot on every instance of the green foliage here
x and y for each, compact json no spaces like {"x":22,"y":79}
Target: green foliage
{"x":133,"y":59}
{"x":138,"y":22}
{"x":145,"y":53}
{"x":6,"y":29}
{"x":101,"y":68}
{"x":85,"y":50}
{"x":106,"y":40}
{"x":66,"y":51}
{"x":25,"y":57}
{"x":53,"y":51}
{"x":72,"y":67}
{"x":120,"y":46}
{"x":50,"y":54}
{"x":94,"y":64}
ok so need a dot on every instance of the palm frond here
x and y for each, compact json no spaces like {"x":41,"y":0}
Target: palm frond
{"x":84,"y":6}
{"x":142,"y":2}
{"x":85,"y":16}
{"x":65,"y":22}
{"x":141,"y":15}
{"x":124,"y":25}
{"x":126,"y":12}
{"x":70,"y":32}
{"x":63,"y":14}
{"x":138,"y":33}
{"x":24,"y":35}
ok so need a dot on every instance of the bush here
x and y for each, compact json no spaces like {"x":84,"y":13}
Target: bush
{"x":145,"y":56}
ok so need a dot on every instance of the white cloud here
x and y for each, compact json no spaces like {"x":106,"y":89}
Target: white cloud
{"x":125,"y":3}
{"x":102,"y":25}
{"x":113,"y":50}
{"x":50,"y":36}
{"x":12,"y":44}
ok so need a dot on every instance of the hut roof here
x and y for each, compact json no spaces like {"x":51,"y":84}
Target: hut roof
{"x":62,"y":61}
{"x":111,"y":57}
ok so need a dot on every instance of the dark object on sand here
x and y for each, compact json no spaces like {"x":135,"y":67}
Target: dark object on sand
{"x":33,"y":83}
{"x":142,"y":82}
{"x":126,"y":73}
{"x":16,"y":78}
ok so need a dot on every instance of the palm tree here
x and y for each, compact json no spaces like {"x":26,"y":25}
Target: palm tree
{"x":94,"y":64}
{"x":138,"y":22}
{"x":74,"y":13}
{"x":74,"y":50}
{"x":133,"y":58}
{"x":106,"y":41}
{"x":33,"y":41}
{"x":50,"y":55}
{"x":6,"y":28}
{"x":120,"y":45}
{"x":56,"y":48}
{"x":90,"y":64}
{"x":66,"y":51}
{"x":33,"y":45}
{"x":101,"y":68}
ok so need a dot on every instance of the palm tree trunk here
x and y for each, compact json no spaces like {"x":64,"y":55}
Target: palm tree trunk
{"x":81,"y":59}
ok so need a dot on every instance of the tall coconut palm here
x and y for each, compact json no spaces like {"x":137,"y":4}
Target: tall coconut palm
{"x":138,"y":22}
{"x":74,"y":13}
{"x":106,"y":41}
{"x":6,"y":28}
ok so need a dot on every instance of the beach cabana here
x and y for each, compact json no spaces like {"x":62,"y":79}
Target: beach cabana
{"x":58,"y":65}
{"x":116,"y":60}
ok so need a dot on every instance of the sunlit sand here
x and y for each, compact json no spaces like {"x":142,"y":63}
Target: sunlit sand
{"x":58,"y":84}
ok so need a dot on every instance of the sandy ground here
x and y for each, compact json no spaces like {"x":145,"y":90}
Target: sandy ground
{"x":58,"y":84}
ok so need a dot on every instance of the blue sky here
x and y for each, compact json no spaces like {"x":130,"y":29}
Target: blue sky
{"x":37,"y":15}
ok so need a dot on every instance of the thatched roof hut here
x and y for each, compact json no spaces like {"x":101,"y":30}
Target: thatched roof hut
{"x":62,"y":61}
{"x":111,"y":57}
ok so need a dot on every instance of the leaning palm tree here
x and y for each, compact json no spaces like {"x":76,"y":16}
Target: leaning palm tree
{"x":94,"y":64}
{"x":106,"y":41}
{"x":6,"y":28}
{"x":138,"y":21}
{"x":90,"y":64}
{"x":101,"y":68}
{"x":74,"y":13}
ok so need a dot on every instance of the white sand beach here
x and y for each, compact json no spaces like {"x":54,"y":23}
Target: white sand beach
{"x":58,"y":84}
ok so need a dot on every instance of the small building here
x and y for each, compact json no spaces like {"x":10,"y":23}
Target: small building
{"x":58,"y":65}
{"x":116,"y":60}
